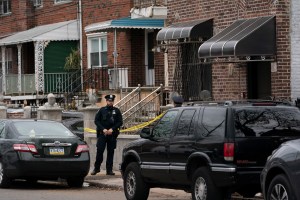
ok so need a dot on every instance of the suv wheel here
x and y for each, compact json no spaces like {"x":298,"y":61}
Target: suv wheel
{"x":5,"y":182}
{"x":280,"y":188}
{"x":203,"y":187}
{"x":134,"y":186}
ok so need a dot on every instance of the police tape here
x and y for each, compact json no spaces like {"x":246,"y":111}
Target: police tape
{"x":133,"y":128}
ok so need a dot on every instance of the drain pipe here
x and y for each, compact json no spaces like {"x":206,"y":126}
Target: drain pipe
{"x":80,"y":40}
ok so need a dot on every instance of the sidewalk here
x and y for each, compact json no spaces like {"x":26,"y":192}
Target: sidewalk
{"x":116,"y":182}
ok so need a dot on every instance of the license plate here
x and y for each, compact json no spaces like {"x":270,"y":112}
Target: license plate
{"x":57,"y":151}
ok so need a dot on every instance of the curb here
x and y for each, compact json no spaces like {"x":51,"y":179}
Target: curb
{"x":104,"y":185}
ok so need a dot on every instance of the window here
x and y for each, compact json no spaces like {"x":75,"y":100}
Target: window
{"x":256,"y":122}
{"x":97,"y":47}
{"x":5,"y":7}
{"x":61,"y":1}
{"x":164,"y":127}
{"x":8,"y":60}
{"x":185,"y":121}
{"x":37,"y":3}
{"x":213,"y":122}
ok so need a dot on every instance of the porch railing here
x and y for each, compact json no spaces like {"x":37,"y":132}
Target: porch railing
{"x":27,"y":84}
{"x":145,"y":110}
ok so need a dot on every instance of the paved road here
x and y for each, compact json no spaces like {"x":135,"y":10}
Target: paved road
{"x":20,"y":190}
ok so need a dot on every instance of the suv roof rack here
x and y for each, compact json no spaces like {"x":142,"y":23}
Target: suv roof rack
{"x":254,"y":102}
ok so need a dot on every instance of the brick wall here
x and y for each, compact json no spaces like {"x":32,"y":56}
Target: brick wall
{"x":224,"y":13}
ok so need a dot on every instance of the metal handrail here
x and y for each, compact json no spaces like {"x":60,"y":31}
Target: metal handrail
{"x":137,"y":104}
{"x":128,"y":95}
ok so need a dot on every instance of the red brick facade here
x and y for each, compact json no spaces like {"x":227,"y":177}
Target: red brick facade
{"x":130,"y":42}
{"x":225,"y":86}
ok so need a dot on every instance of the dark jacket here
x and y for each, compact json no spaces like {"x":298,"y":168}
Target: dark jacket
{"x":108,"y":117}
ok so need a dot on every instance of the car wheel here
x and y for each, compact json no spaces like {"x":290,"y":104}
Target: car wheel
{"x":75,"y":182}
{"x":5,"y":182}
{"x":280,"y":188}
{"x":134,"y":186}
{"x":203,"y":187}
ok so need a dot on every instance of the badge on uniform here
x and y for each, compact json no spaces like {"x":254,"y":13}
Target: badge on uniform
{"x":113,"y":112}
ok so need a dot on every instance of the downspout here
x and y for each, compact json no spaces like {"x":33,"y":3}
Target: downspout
{"x":80,"y":40}
{"x":116,"y":84}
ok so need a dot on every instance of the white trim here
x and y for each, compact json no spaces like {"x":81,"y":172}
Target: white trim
{"x":89,"y":38}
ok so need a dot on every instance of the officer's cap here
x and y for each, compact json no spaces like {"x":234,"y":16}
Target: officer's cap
{"x":177,"y":99}
{"x":110,"y":97}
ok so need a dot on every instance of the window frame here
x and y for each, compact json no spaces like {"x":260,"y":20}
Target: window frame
{"x":8,"y":7}
{"x":100,"y":37}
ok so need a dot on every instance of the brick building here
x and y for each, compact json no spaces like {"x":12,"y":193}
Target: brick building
{"x":126,"y":43}
{"x":36,"y":36}
{"x":252,"y":52}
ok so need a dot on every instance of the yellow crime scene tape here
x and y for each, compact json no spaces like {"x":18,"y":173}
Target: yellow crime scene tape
{"x":134,"y":128}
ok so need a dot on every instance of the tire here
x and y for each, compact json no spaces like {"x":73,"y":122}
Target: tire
{"x":5,"y":182}
{"x":280,"y":188}
{"x":134,"y":186}
{"x":75,"y":182}
{"x":203,"y":188}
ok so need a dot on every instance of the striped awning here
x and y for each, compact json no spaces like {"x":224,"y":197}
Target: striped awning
{"x":191,"y":29}
{"x":125,"y":23}
{"x":67,"y":30}
{"x":245,"y":37}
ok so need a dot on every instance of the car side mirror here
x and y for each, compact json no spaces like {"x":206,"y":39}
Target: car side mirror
{"x":145,"y":133}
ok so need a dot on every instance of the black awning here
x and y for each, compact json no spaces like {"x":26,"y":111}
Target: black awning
{"x":248,"y":37}
{"x":191,"y":29}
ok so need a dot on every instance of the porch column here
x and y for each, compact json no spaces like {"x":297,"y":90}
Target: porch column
{"x":3,"y":70}
{"x":39,"y":65}
{"x":19,"y":68}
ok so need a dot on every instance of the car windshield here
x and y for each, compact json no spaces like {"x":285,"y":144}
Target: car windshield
{"x":42,"y":129}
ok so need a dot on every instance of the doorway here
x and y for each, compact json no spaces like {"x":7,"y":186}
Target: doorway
{"x":259,"y":80}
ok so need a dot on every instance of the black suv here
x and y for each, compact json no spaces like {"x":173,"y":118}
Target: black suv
{"x":208,"y":150}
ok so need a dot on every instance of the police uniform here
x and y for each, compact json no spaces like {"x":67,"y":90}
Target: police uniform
{"x":107,"y":117}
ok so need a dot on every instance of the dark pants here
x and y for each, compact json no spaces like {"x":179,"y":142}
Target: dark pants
{"x":103,"y":141}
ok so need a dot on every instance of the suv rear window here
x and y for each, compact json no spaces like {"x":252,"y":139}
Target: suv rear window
{"x":256,"y":122}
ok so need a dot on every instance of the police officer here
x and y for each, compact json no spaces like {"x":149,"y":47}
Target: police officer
{"x":177,"y":101}
{"x":108,"y":121}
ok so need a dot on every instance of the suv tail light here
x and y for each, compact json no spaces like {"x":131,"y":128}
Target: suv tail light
{"x":229,"y":151}
{"x":25,"y":148}
{"x":82,"y":148}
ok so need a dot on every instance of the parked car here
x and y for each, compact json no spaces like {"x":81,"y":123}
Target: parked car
{"x":34,"y":150}
{"x":280,"y":179}
{"x":74,"y":122}
{"x":208,"y":150}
